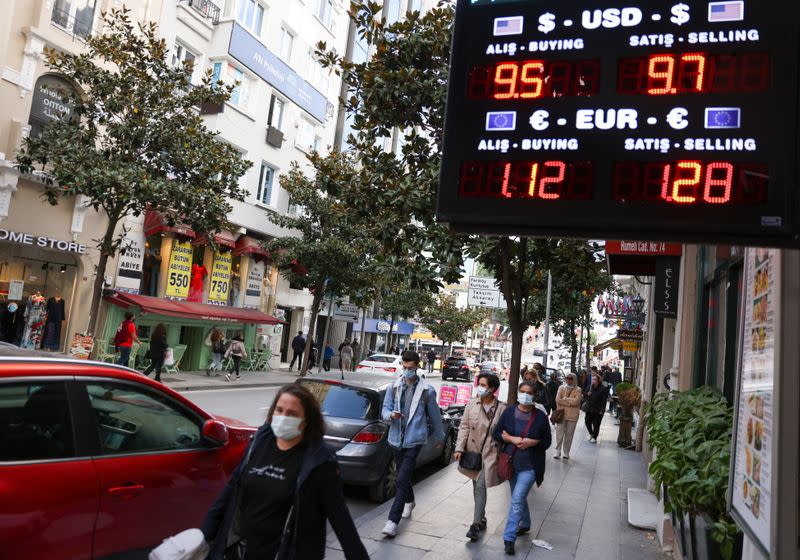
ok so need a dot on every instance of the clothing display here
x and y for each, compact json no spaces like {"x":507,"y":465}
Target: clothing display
{"x":35,"y":315}
{"x":199,"y":273}
{"x":56,"y":313}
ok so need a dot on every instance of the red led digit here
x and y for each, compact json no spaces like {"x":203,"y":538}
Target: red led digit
{"x":531,"y":80}
{"x":505,"y":80}
{"x":661,"y":67}
{"x":666,"y":191}
{"x":716,"y":179}
{"x":532,"y":182}
{"x":559,"y":178}
{"x":692,"y":69}
{"x":688,"y":180}
{"x":506,"y":177}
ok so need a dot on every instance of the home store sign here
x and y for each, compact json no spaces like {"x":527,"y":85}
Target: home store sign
{"x":41,"y":241}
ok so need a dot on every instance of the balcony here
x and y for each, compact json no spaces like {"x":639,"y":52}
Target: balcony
{"x":79,"y":26}
{"x":207,"y":9}
{"x":274,"y":137}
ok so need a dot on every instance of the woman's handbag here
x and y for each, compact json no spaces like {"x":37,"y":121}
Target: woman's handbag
{"x":169,"y":357}
{"x":186,"y":545}
{"x":472,"y":461}
{"x":557,"y":416}
{"x":505,"y":463}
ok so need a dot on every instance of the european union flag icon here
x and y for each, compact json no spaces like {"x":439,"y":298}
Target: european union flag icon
{"x":501,"y":120}
{"x":723,"y":117}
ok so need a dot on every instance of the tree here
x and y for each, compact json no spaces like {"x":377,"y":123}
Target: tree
{"x":137,"y":140}
{"x":402,"y":301}
{"x":448,"y":322}
{"x":327,"y":249}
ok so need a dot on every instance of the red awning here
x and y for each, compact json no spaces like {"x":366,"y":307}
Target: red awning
{"x":155,"y":223}
{"x":191,"y":310}
{"x":224,"y":239}
{"x":247,"y":245}
{"x":638,"y":257}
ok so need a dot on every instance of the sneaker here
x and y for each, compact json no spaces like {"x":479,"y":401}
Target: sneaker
{"x":557,"y":455}
{"x":238,"y":378}
{"x":474,"y":532}
{"x":565,"y":457}
{"x":390,"y":529}
{"x":509,"y":548}
{"x":227,"y":376}
{"x":208,"y":372}
{"x":593,"y":440}
{"x":523,"y":531}
{"x":409,"y":507}
{"x":482,"y":525}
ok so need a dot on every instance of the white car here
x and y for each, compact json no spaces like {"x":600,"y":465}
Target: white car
{"x":381,"y":363}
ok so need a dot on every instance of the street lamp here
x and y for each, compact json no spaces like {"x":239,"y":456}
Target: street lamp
{"x":637,"y":304}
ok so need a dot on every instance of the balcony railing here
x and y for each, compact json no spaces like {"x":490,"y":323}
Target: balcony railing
{"x":207,"y":9}
{"x":80,"y":27}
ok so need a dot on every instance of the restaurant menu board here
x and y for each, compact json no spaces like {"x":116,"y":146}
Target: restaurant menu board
{"x":648,"y":119}
{"x":752,"y":469}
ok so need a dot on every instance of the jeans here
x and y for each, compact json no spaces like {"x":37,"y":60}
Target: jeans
{"x":299,"y":357}
{"x":564,"y":432}
{"x":216,"y":361}
{"x":124,"y":355}
{"x":479,"y":494}
{"x":326,"y":364}
{"x":519,"y":515}
{"x":155,"y":365}
{"x":593,"y":420}
{"x":406,"y":460}
{"x":430,"y":366}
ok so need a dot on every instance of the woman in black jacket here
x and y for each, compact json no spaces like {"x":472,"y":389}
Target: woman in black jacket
{"x":595,"y":407}
{"x":158,"y":345}
{"x":287,"y":486}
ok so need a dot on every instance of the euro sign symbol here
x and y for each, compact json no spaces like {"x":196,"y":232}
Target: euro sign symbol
{"x":677,"y":118}
{"x":538,"y":120}
{"x":547,"y":23}
{"x":680,"y":14}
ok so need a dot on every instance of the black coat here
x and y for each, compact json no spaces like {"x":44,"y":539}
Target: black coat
{"x":298,"y":343}
{"x":596,"y":401}
{"x":158,"y":345}
{"x":318,"y":499}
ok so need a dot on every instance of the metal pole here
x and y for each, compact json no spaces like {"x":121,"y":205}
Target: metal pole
{"x":321,"y":355}
{"x":547,"y":319}
{"x":361,"y":340}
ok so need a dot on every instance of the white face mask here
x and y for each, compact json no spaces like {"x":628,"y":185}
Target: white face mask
{"x":525,"y":399}
{"x":482,"y":391}
{"x":286,"y":427}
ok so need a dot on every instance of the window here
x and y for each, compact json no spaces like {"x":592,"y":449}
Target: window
{"x":392,"y":11}
{"x":276,"y":107}
{"x":287,"y":42}
{"x":35,"y":422}
{"x":305,"y":136}
{"x":414,"y":5}
{"x":265,"y":179}
{"x":75,"y":16}
{"x":341,"y":401}
{"x":316,"y":75}
{"x":250,"y":14}
{"x":182,"y":56}
{"x":132,"y":421}
{"x":322,"y":10}
{"x":229,"y":74}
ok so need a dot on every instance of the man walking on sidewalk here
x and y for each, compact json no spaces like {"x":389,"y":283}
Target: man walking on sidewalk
{"x":596,"y":407}
{"x":298,"y":347}
{"x":410,"y":406}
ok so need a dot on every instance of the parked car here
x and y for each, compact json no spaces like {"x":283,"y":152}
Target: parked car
{"x":500,"y":369}
{"x":458,"y":367}
{"x":354,"y":429}
{"x":381,"y":363}
{"x":98,"y":461}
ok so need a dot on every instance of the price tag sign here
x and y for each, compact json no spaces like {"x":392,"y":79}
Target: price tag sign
{"x":656,"y":120}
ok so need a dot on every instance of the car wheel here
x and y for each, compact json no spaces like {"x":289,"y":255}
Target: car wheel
{"x":386,"y":487}
{"x":448,"y":449}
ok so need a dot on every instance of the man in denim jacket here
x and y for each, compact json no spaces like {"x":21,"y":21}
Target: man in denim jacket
{"x":409,"y":406}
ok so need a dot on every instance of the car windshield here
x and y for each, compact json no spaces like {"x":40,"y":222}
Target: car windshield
{"x":381,"y":359}
{"x":343,"y":401}
{"x":455,"y":361}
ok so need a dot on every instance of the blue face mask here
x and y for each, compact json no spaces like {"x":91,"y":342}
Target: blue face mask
{"x":409,"y":373}
{"x":525,"y":399}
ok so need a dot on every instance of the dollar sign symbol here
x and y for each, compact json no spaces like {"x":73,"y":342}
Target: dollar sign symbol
{"x":547,"y":23}
{"x":680,"y":14}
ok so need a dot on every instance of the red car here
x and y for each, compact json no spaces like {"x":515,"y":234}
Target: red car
{"x":97,"y":460}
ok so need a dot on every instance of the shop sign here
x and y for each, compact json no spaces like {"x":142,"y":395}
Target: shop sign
{"x":15,"y":288}
{"x":630,"y":346}
{"x":655,"y":248}
{"x":220,"y":282}
{"x":131,"y":262}
{"x":255,"y":281}
{"x":665,"y":302}
{"x":630,"y":334}
{"x":41,"y":241}
{"x":179,"y":270}
{"x":50,"y":101}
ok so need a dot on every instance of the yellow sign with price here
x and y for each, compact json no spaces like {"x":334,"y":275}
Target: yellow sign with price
{"x":219,"y":283}
{"x":179,"y":270}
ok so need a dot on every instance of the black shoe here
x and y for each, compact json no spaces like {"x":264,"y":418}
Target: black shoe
{"x":523,"y":531}
{"x":474,"y":532}
{"x":509,"y":548}
{"x":482,"y":525}
{"x":208,"y":372}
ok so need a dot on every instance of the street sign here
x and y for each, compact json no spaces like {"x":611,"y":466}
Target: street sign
{"x":347,"y":312}
{"x":654,"y":121}
{"x":484,"y":292}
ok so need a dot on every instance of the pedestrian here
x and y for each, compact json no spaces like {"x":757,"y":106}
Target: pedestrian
{"x":216,"y":340}
{"x":158,"y":346}
{"x":475,"y":453}
{"x":284,"y":492}
{"x":552,"y":390}
{"x":614,"y":378}
{"x":568,"y":399}
{"x":431,"y":360}
{"x":540,"y":394}
{"x":124,"y":339}
{"x":356,"y":349}
{"x":346,"y":356}
{"x":409,"y":406}
{"x":236,"y":351}
{"x":327,"y":357}
{"x":298,"y":347}
{"x":524,"y":433}
{"x":595,"y":407}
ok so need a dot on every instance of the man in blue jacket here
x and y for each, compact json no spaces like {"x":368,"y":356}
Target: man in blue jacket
{"x":410,"y":406}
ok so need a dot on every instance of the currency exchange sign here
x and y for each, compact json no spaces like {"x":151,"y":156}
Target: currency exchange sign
{"x":642,"y":120}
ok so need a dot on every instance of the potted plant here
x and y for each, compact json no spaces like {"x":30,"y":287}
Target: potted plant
{"x":629,"y":397}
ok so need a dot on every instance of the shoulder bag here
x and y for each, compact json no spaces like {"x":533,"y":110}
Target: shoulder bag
{"x":470,"y":460}
{"x":505,"y":463}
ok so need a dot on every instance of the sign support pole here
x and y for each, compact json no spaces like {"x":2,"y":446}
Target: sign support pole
{"x":321,"y":355}
{"x":547,"y":319}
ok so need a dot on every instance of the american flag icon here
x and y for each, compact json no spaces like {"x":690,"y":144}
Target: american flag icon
{"x":726,"y":11}
{"x":508,"y":25}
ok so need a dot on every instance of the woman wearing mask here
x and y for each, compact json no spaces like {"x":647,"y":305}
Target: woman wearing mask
{"x":479,"y":418}
{"x":158,"y":346}
{"x":524,"y":433}
{"x":284,"y":491}
{"x":568,"y":399}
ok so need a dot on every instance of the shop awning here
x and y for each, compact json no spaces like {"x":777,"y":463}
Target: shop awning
{"x":192,"y":310}
{"x":638,"y":257}
{"x":614,"y":343}
{"x":154,"y":223}
{"x":247,"y":245}
{"x":224,"y":239}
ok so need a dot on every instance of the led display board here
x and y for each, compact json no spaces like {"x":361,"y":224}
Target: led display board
{"x":643,"y":120}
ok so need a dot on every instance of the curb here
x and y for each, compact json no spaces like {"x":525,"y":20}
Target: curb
{"x":178,"y":387}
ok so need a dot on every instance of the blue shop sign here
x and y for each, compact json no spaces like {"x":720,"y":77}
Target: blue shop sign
{"x":249,"y":51}
{"x":382,"y":326}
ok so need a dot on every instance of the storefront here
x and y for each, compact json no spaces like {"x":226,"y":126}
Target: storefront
{"x":401,"y":333}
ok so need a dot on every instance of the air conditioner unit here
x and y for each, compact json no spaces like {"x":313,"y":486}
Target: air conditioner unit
{"x":274,"y":137}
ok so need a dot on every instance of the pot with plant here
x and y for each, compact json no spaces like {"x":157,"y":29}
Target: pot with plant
{"x":629,"y":397}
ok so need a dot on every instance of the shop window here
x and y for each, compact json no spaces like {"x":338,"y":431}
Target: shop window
{"x":74,"y":16}
{"x":250,"y":14}
{"x":151,"y":266}
{"x":35,"y":422}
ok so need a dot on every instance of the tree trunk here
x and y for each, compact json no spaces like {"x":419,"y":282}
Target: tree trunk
{"x":516,"y":358}
{"x":588,"y":344}
{"x":389,"y":336}
{"x":99,"y":278}
{"x":312,"y":325}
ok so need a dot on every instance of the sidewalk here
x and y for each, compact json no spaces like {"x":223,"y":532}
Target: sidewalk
{"x":580,"y":509}
{"x":198,"y":380}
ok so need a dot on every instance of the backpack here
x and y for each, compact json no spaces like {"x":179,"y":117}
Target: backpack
{"x":122,"y":334}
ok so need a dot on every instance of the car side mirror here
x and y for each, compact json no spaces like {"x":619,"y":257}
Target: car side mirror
{"x":215,"y":431}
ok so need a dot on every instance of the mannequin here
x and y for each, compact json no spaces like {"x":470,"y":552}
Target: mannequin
{"x":56,"y":313}
{"x":199,"y":272}
{"x":35,"y":314}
